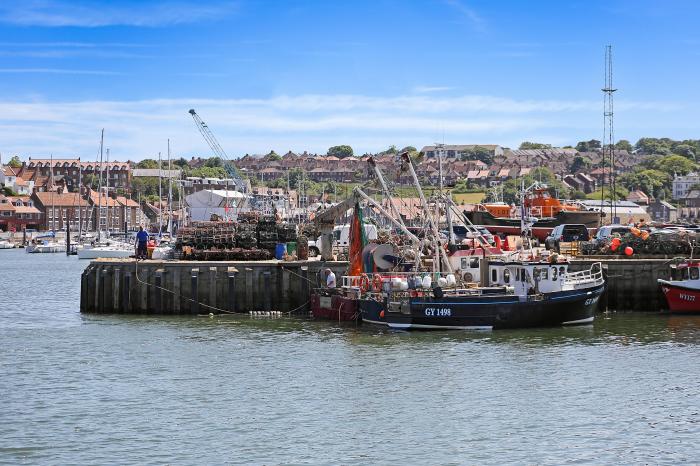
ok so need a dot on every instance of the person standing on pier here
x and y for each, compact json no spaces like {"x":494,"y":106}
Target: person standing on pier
{"x":141,"y":244}
{"x":330,"y":278}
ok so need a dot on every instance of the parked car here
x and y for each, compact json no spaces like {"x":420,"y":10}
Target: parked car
{"x":606,"y":232}
{"x":566,"y":233}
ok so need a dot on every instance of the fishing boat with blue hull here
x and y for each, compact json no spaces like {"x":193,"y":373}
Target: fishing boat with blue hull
{"x":518,"y":295}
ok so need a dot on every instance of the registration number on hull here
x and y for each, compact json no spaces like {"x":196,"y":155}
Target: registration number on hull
{"x":438,"y":311}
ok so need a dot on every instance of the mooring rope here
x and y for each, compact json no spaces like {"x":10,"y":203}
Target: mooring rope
{"x":225,"y":311}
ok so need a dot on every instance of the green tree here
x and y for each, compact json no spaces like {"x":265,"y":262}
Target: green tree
{"x":15,"y":162}
{"x":676,"y":164}
{"x":650,"y":146}
{"x":588,"y":146}
{"x":181,"y":162}
{"x":214,"y":162}
{"x":478,"y":153}
{"x":533,"y":145}
{"x":579,"y":164}
{"x":273,"y":156}
{"x":650,"y":181}
{"x":624,"y":144}
{"x":409,"y":149}
{"x":209,"y":172}
{"x":686,"y":150}
{"x":147,"y":163}
{"x":340,"y":151}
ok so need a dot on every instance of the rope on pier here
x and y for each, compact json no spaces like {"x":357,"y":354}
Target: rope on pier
{"x":138,"y":279}
{"x":178,"y":295}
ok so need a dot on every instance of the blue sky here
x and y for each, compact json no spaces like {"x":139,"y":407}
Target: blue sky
{"x":305,"y":75}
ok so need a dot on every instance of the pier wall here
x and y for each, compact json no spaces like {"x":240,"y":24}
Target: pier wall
{"x":198,"y":287}
{"x":631,"y":283}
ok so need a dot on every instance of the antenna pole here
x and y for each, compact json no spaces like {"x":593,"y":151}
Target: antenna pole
{"x":609,"y":130}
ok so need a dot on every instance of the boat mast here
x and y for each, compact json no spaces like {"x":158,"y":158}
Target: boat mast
{"x":440,"y":252}
{"x":160,"y":196}
{"x":107,"y":191}
{"x":53,"y":205}
{"x":170,"y":194}
{"x":450,"y":234}
{"x":99,"y":192}
{"x":80,"y":192}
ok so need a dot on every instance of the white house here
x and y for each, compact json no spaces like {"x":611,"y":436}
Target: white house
{"x":682,"y":184}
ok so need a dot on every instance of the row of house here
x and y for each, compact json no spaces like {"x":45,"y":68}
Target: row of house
{"x":58,"y":210}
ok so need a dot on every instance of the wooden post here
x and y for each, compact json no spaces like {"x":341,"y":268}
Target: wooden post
{"x":249,"y":288}
{"x":232,"y":271}
{"x":159,"y":291}
{"x":116,"y":281}
{"x":126,"y":293}
{"x":194,"y":276}
{"x":268,"y":290}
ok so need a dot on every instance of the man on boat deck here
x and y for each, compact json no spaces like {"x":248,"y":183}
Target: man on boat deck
{"x":141,"y":243}
{"x":330,"y":278}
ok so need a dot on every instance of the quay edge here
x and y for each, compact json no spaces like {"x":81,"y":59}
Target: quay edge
{"x":203,"y":287}
{"x":199,"y":287}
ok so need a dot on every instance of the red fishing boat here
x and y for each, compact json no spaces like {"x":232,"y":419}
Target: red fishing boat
{"x":682,"y":291}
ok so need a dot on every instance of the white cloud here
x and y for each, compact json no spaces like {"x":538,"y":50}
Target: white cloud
{"x":139,"y":129}
{"x":428,"y":89}
{"x":92,"y":13}
{"x":468,"y":13}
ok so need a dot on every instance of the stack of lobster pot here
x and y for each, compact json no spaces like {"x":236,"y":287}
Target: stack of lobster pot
{"x":267,"y":233}
{"x":246,"y":237}
{"x":286,"y":232}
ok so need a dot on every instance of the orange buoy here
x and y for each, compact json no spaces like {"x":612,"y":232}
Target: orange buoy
{"x":645,"y":235}
{"x":381,"y":314}
{"x":629,"y":251}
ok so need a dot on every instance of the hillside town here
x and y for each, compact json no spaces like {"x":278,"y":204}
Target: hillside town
{"x":660,"y":175}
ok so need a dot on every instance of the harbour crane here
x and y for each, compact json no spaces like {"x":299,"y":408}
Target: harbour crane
{"x":208,"y":136}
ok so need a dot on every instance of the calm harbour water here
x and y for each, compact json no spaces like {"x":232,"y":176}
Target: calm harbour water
{"x":236,"y":390}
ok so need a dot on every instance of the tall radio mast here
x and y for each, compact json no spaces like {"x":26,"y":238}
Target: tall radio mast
{"x":609,"y":132}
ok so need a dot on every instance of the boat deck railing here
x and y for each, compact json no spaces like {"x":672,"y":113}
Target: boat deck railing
{"x":593,"y":275}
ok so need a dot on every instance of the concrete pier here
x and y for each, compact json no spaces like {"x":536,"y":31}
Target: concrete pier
{"x":631,"y":283}
{"x":198,"y":287}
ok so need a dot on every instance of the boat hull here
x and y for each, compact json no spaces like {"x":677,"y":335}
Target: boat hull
{"x":541,"y":229}
{"x":334,"y":307}
{"x":680,"y":299}
{"x":573,"y":307}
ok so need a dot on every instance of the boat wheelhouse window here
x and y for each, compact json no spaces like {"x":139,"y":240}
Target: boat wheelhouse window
{"x":561,"y":270}
{"x":463,"y":264}
{"x":506,"y":276}
{"x":684,"y":273}
{"x":545,"y":273}
{"x":474,"y":263}
{"x":554,"y":274}
{"x":523,"y":276}
{"x":517,"y":275}
{"x":694,"y":273}
{"x":494,"y":276}
{"x":674,"y":273}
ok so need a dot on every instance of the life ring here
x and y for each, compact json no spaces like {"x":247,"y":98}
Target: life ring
{"x":364,"y":283}
{"x":377,"y":282}
{"x":467,"y":277}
